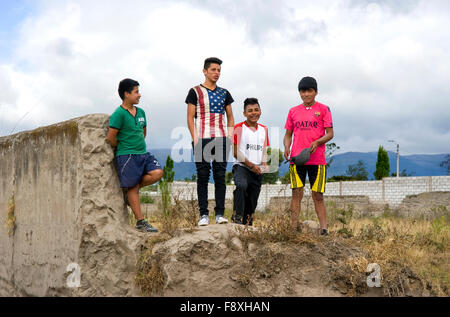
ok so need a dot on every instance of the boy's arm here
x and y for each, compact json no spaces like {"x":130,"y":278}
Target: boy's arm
{"x":287,"y":141}
{"x":327,"y":137}
{"x":230,"y":120}
{"x":265,"y":159}
{"x":145,"y":132}
{"x":190,"y":122}
{"x":111,"y":136}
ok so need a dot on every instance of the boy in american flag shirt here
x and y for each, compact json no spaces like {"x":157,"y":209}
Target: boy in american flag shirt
{"x":211,"y":138}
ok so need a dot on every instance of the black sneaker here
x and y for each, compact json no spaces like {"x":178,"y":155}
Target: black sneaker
{"x":144,"y":226}
{"x":237,"y":219}
{"x":324,"y":232}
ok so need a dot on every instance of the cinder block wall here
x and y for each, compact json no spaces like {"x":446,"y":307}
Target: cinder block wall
{"x":391,"y":190}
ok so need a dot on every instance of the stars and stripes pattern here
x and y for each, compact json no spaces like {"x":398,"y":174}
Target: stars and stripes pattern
{"x":210,"y":112}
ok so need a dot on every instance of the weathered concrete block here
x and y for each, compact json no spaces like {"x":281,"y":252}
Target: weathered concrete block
{"x":69,"y":209}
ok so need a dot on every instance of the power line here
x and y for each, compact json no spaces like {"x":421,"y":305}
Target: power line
{"x":30,"y":110}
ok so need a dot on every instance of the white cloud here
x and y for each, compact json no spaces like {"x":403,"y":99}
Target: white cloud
{"x":382,"y":68}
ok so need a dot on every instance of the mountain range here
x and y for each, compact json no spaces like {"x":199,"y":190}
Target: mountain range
{"x":414,"y":165}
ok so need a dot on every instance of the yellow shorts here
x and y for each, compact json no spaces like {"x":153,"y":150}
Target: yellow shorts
{"x":316,"y":174}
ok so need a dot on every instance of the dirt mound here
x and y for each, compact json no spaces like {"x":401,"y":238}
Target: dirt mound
{"x":219,"y":260}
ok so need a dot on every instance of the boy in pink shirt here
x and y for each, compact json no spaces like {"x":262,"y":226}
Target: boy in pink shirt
{"x":308,"y":125}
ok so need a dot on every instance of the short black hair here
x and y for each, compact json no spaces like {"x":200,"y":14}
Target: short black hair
{"x":307,"y":83}
{"x":127,"y":85}
{"x":251,"y":101}
{"x":211,"y":60}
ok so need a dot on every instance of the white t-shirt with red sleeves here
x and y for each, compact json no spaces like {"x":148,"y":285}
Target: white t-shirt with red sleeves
{"x":251,"y":142}
{"x":308,"y":125}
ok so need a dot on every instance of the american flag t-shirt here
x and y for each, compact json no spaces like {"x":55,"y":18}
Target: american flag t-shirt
{"x":210,"y":111}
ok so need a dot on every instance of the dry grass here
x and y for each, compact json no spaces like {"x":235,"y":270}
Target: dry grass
{"x":181,"y":216}
{"x":275,"y":227}
{"x":407,"y":250}
{"x":149,"y":275}
{"x":407,"y":247}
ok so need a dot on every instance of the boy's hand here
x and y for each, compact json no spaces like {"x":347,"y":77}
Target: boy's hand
{"x":287,"y":152}
{"x":230,"y":133}
{"x":256,"y":169}
{"x":313,"y":147}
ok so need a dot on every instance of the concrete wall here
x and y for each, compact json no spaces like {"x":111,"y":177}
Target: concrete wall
{"x":69,"y":209}
{"x":391,"y":191}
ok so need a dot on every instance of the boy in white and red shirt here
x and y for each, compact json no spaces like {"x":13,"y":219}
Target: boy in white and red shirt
{"x":308,"y":125}
{"x":250,"y":142}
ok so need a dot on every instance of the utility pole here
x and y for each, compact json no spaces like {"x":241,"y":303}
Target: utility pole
{"x":398,"y":155}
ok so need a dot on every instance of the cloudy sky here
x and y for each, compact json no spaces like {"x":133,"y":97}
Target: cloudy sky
{"x":382,"y":66}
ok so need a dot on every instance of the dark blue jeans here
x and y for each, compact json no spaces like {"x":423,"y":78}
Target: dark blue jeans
{"x":246,"y":194}
{"x":215,"y":150}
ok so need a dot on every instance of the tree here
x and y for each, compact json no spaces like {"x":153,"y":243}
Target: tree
{"x":340,"y":178}
{"x":329,"y":150}
{"x":228,"y":177}
{"x":403,"y":173}
{"x":274,"y":155}
{"x":382,"y":167}
{"x":358,"y":171}
{"x":286,"y":179}
{"x":165,"y":185}
{"x":168,"y":172}
{"x":446,"y":163}
{"x":192,"y":179}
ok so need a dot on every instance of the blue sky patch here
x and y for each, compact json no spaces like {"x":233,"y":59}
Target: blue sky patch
{"x":12,"y":14}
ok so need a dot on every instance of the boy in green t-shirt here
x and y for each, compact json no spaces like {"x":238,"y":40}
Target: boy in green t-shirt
{"x":136,"y":167}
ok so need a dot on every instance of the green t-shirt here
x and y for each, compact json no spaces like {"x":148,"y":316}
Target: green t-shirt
{"x":130,"y":137}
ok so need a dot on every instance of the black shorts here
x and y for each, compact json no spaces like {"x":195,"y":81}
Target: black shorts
{"x":316,"y":174}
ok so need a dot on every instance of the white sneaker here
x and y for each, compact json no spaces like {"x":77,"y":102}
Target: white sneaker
{"x":220,"y":220}
{"x":204,"y":221}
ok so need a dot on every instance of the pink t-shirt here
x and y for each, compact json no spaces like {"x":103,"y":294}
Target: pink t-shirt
{"x":308,"y":125}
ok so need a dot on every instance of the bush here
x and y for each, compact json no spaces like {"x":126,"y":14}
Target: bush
{"x":165,"y":185}
{"x":144,"y":199}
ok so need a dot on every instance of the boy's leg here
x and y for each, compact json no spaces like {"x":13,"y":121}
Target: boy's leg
{"x":240,"y":180}
{"x":317,"y":177}
{"x":296,"y":205}
{"x":203,"y":167}
{"x":319,"y":205}
{"x":146,"y":163}
{"x":253,"y":192}
{"x":219,"y":169}
{"x":219,"y":166}
{"x":152,"y":169}
{"x":130,"y":168}
{"x":135,"y":205}
{"x":151,"y":177}
{"x":297,"y":178}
